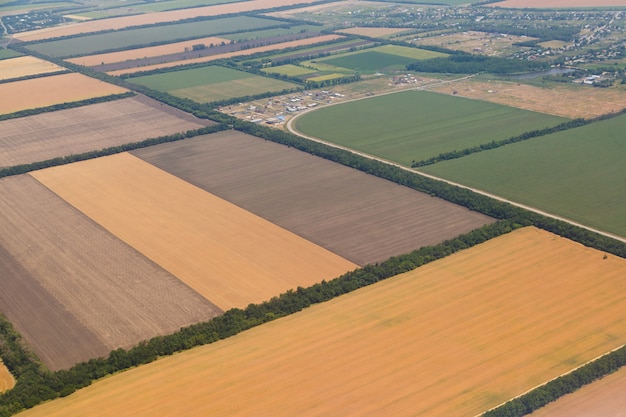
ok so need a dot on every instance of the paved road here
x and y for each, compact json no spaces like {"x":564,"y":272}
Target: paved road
{"x":365,"y":155}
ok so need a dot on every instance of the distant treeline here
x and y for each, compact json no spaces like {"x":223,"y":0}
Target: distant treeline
{"x":35,"y":384}
{"x":64,"y":106}
{"x":472,"y":64}
{"x":571,"y":124}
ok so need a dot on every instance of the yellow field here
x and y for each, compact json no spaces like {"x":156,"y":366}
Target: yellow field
{"x":170,"y":48}
{"x":276,"y":46}
{"x":452,"y":338}
{"x":25,"y":65}
{"x":51,"y":90}
{"x":6,"y":379}
{"x":225,"y":253}
{"x":372,"y":32}
{"x":152,"y":18}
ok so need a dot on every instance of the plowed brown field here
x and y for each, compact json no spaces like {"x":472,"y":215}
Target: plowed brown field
{"x":227,"y":254}
{"x":548,"y":4}
{"x":452,"y":338}
{"x":574,"y":101}
{"x":46,"y":91}
{"x":49,"y":135}
{"x":72,"y":289}
{"x":6,"y":379}
{"x":152,"y":18}
{"x":170,"y":48}
{"x":272,"y":47}
{"x":25,"y":65}
{"x":602,"y":398}
{"x":360,"y":217}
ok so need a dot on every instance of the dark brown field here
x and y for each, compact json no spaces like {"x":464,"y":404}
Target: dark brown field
{"x":73,"y":290}
{"x":360,"y":217}
{"x":50,"y":135}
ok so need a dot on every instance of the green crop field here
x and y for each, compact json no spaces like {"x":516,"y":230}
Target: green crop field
{"x":290,"y":70}
{"x":579,"y":173}
{"x":416,"y":125}
{"x":212,"y":83}
{"x":380,"y":58}
{"x":91,"y":44}
{"x":8,"y":53}
{"x":268,"y":33}
{"x":442,"y":2}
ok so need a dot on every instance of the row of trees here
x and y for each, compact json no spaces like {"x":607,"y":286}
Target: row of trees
{"x":32,"y":76}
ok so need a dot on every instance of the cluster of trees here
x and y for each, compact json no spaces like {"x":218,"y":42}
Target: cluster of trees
{"x":63,"y":106}
{"x":35,"y":384}
{"x":472,"y":64}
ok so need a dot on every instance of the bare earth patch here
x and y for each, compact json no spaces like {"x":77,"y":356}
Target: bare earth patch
{"x":152,"y":18}
{"x":452,"y":338}
{"x":6,"y":379}
{"x":273,"y":47}
{"x":46,"y":91}
{"x":25,"y":65}
{"x":170,"y":48}
{"x":568,"y":101}
{"x":361,"y":217}
{"x":65,"y":132}
{"x":230,"y":256}
{"x":491,"y":44}
{"x":73,"y":290}
{"x":601,"y":398}
{"x":548,"y":4}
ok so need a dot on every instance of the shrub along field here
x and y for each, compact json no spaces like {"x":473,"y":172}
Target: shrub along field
{"x":211,"y":83}
{"x":579,"y":173}
{"x":228,"y":255}
{"x":416,"y":125}
{"x":454,"y":337}
{"x":91,"y":44}
{"x":360,"y":217}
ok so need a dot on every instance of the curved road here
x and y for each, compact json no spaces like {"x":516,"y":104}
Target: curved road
{"x":365,"y":155}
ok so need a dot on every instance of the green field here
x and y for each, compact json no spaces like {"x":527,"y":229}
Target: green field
{"x":379,"y":58}
{"x":8,"y":53}
{"x":212,"y":83}
{"x":26,"y":7}
{"x":442,"y":2}
{"x":268,"y":33}
{"x":416,"y":125}
{"x":579,"y":173}
{"x":290,"y":70}
{"x":91,"y":44}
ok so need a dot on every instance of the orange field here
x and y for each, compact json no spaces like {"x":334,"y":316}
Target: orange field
{"x":601,"y":398}
{"x":225,"y":253}
{"x":452,"y":338}
{"x":170,"y":48}
{"x":6,"y":379}
{"x":51,"y":90}
{"x":152,"y":18}
{"x":546,"y":4}
{"x":276,"y":46}
{"x":25,"y":65}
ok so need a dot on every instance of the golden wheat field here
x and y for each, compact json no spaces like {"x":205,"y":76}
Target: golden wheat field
{"x":51,"y":90}
{"x":151,"y":51}
{"x":23,"y":66}
{"x":452,"y":338}
{"x":272,"y":47}
{"x":227,"y":254}
{"x":6,"y":379}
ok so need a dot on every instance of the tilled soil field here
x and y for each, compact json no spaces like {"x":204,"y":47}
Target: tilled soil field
{"x":360,"y":217}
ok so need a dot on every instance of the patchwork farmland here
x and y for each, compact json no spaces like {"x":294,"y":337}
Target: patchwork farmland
{"x":454,"y":337}
{"x":52,"y":90}
{"x":541,"y":172}
{"x":212,"y":83}
{"x":228,"y":255}
{"x":416,"y":125}
{"x":358,"y":216}
{"x":65,"y":132}
{"x":73,"y":290}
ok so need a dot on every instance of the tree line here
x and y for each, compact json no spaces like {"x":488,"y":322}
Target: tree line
{"x":472,"y":64}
